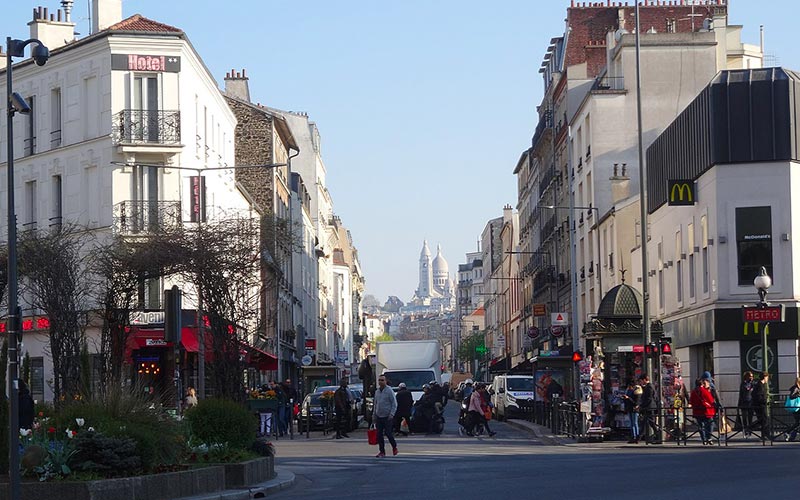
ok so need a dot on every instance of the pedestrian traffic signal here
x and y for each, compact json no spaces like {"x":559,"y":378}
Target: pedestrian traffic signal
{"x":651,"y":349}
{"x":172,"y":315}
{"x":577,"y":356}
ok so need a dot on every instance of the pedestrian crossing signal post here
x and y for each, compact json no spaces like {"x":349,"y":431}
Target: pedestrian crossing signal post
{"x":172,"y":333}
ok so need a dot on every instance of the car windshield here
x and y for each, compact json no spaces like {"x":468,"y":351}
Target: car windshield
{"x":520,"y":384}
{"x":414,"y":380}
{"x":314,"y":399}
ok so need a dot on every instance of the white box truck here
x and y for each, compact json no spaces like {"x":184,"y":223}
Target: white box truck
{"x":413,"y":362}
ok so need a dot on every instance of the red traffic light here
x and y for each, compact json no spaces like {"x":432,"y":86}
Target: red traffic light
{"x":577,"y":356}
{"x":666,"y":349}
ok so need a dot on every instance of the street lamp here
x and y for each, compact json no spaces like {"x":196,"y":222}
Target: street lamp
{"x":201,"y":345}
{"x":762,"y":283}
{"x":15,"y":104}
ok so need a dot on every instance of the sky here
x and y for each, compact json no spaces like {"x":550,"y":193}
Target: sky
{"x":424,"y":107}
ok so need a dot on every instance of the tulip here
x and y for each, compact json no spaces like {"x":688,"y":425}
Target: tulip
{"x":24,"y":432}
{"x":80,"y":422}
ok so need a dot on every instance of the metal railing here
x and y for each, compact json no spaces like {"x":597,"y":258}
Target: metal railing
{"x":142,"y":126}
{"x":609,"y":83}
{"x":562,"y":418}
{"x":137,"y":217}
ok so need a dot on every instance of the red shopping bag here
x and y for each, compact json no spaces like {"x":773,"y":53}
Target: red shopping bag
{"x":372,"y":436}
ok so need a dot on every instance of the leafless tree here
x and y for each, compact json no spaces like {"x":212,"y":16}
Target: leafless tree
{"x":56,"y":281}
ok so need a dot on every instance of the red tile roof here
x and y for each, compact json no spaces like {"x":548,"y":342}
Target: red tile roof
{"x":138,"y":22}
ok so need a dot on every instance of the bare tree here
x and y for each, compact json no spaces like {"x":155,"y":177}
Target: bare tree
{"x":56,"y":281}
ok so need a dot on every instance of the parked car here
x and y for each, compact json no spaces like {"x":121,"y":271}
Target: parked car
{"x":313,"y":401}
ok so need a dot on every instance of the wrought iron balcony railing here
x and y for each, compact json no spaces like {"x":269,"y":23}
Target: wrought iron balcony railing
{"x":141,"y":217}
{"x":142,"y":126}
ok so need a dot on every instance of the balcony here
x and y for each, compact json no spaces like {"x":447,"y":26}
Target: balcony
{"x":609,"y":84}
{"x":147,"y":127}
{"x":136,"y":217}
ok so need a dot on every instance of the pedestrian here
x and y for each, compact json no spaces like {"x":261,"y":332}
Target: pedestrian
{"x":475,"y":411}
{"x":467,"y":391}
{"x":633,"y":401}
{"x":746,"y":402}
{"x":341,"y":405}
{"x":486,"y":406}
{"x":794,"y":392}
{"x":190,"y":401}
{"x":26,"y":405}
{"x":703,"y":408}
{"x":646,"y":407}
{"x":760,"y":402}
{"x":291,"y":399}
{"x":405,"y":400}
{"x":713,"y":388}
{"x":383,"y":410}
{"x":281,"y":414}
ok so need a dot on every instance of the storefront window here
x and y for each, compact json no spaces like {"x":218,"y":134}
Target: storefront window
{"x":753,"y":242}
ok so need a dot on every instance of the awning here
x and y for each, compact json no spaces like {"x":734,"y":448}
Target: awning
{"x":499,"y":365}
{"x":259,"y":359}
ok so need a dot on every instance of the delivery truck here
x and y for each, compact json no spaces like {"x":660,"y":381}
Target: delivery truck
{"x":412,"y":362}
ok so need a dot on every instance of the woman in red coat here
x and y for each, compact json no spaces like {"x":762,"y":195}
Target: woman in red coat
{"x":703,"y":409}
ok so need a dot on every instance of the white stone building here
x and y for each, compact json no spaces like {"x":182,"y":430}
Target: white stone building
{"x":133,"y":93}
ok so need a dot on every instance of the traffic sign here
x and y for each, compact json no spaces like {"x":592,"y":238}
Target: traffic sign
{"x":533,"y":332}
{"x":557,"y":331}
{"x":753,"y":314}
{"x":559,"y":318}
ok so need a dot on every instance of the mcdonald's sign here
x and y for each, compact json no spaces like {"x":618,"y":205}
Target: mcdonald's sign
{"x":682,"y":192}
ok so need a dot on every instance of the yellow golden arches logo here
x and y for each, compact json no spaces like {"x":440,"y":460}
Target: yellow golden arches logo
{"x":682,"y":192}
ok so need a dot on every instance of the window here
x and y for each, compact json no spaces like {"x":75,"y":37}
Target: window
{"x":704,"y":252}
{"x":690,"y":238}
{"x":145,"y":101}
{"x":753,"y":242}
{"x":678,"y":269}
{"x":37,"y":378}
{"x":30,"y":128}
{"x":55,"y":118}
{"x":30,"y":205}
{"x":56,"y":200}
{"x":91,"y":108}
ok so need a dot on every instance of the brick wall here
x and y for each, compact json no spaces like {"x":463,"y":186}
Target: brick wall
{"x":253,"y":144}
{"x":590,"y":21}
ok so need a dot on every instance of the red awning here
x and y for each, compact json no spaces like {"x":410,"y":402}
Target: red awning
{"x":261,"y":360}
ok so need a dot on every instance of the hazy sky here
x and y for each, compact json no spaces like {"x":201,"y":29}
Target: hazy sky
{"x":424,"y":106}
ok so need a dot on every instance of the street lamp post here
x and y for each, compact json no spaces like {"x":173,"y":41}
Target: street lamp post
{"x":15,"y":104}
{"x":201,"y":345}
{"x":762,"y":283}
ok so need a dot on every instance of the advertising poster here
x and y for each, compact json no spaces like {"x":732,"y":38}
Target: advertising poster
{"x":550,"y":383}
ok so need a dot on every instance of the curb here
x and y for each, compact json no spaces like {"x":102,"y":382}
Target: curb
{"x":536,"y":431}
{"x":283,"y":479}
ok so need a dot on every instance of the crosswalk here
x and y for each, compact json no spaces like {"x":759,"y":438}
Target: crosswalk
{"x":315,"y":465}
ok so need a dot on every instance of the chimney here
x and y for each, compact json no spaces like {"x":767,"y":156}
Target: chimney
{"x":620,"y":183}
{"x":105,"y":13}
{"x":236,"y":85}
{"x":53,"y":30}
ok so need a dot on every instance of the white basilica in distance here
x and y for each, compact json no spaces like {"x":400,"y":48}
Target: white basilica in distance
{"x":436,"y":290}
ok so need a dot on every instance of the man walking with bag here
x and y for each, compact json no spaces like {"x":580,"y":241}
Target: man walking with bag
{"x":384,"y":408}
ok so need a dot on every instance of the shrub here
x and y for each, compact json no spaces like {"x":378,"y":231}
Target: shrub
{"x":263,"y":448}
{"x":108,"y":456}
{"x":220,"y":422}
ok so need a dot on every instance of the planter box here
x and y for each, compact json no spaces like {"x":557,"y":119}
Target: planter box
{"x":249,"y":473}
{"x":262,"y":404}
{"x":165,"y":486}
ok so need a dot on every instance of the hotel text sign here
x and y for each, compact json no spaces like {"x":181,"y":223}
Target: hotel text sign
{"x":136,"y":62}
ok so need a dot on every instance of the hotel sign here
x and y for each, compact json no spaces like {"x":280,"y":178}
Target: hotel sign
{"x":682,"y":192}
{"x":137,"y":62}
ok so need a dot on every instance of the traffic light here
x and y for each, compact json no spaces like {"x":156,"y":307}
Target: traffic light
{"x":651,"y":349}
{"x":665,"y":346}
{"x":577,"y":356}
{"x":172,"y":315}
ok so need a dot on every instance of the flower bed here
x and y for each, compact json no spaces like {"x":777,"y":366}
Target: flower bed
{"x":164,"y":486}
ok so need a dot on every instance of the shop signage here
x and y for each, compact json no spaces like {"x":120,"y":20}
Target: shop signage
{"x":533,"y":332}
{"x":682,"y":192}
{"x":311,"y":344}
{"x":306,"y":360}
{"x":540,"y":310}
{"x":630,"y":348}
{"x":30,"y":324}
{"x":155,"y":342}
{"x":752,"y":314}
{"x":341,"y":356}
{"x":557,"y":331}
{"x":559,"y":318}
{"x":137,"y":62}
{"x":197,"y":198}
{"x":140,"y":318}
{"x":548,"y":354}
{"x":500,"y":341}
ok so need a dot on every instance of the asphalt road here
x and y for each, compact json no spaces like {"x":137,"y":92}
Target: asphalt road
{"x":513,"y":464}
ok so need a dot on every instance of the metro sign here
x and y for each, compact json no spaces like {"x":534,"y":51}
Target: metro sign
{"x":757,"y":314}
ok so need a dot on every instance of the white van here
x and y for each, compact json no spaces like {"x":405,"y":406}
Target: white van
{"x":511,"y":394}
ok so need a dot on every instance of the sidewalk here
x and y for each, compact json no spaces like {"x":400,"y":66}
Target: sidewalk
{"x":283,"y":479}
{"x":548,"y":438}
